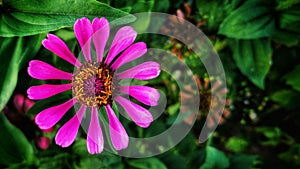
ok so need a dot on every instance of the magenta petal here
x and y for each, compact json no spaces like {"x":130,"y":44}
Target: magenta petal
{"x":123,"y":38}
{"x":137,"y":113}
{"x":144,"y":94}
{"x":28,"y":104}
{"x":144,"y":71}
{"x":43,"y":71}
{"x":100,"y":36}
{"x":46,"y":90}
{"x":49,"y":117}
{"x":83,"y":32}
{"x":133,"y":52}
{"x":57,"y":46}
{"x":117,"y":132}
{"x":94,"y":137}
{"x":67,"y":133}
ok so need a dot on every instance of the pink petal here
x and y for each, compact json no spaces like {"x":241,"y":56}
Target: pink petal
{"x":28,"y":104}
{"x":138,"y":114}
{"x":83,"y":31}
{"x":46,"y":90}
{"x":43,"y":71}
{"x":49,"y":117}
{"x":67,"y":133}
{"x":94,"y":137}
{"x":144,"y":94}
{"x":57,"y":46}
{"x":117,"y":132}
{"x":19,"y":100}
{"x":100,"y":36}
{"x":123,"y":38}
{"x":133,"y":52}
{"x":144,"y":71}
{"x":43,"y":142}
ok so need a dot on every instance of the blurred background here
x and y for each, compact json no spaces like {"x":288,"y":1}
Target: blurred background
{"x":257,"y":42}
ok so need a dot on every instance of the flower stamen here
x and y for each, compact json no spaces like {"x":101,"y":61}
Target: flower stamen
{"x":92,"y":84}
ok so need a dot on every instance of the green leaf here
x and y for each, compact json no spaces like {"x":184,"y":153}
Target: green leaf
{"x":161,"y":6}
{"x":14,"y":147}
{"x":147,"y":163}
{"x":291,"y":155}
{"x":14,"y":53}
{"x":236,"y":144}
{"x":173,"y":160}
{"x":285,"y":4}
{"x":187,"y":145}
{"x":215,"y":159}
{"x":288,"y":32}
{"x":286,"y":98}
{"x":196,"y":158}
{"x":288,"y":18}
{"x":293,"y":78}
{"x":29,"y":17}
{"x":250,"y":21}
{"x":253,"y":58}
{"x":213,"y":14}
{"x":273,"y":135}
{"x":239,"y":161}
{"x":286,"y":37}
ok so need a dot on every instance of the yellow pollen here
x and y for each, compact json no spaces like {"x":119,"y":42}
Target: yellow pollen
{"x":92,"y":84}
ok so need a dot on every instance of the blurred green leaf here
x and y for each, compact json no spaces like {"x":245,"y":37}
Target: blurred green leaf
{"x":286,"y":98}
{"x":103,"y":160}
{"x":288,"y":32}
{"x":293,"y":78}
{"x":14,"y":147}
{"x":196,"y":158}
{"x":146,"y":163}
{"x":273,"y":135}
{"x":14,"y":53}
{"x":239,"y":161}
{"x":289,"y":17}
{"x":286,"y":37}
{"x":187,"y":145}
{"x":173,"y":109}
{"x":143,"y":20}
{"x":285,"y":4}
{"x":213,"y":14}
{"x":250,"y":21}
{"x":215,"y":159}
{"x":174,"y":160}
{"x":236,"y":144}
{"x":292,"y":155}
{"x":161,"y":6}
{"x":253,"y":58}
{"x":29,"y":17}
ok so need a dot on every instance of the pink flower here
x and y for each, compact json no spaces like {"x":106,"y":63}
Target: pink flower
{"x":25,"y":123}
{"x":94,"y":84}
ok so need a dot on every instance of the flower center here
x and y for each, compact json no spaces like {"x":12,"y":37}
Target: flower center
{"x":205,"y":103}
{"x":92,"y":84}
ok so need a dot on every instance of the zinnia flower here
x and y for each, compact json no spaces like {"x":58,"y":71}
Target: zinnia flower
{"x":95,"y":84}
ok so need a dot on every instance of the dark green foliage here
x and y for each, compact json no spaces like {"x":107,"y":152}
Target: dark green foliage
{"x":257,"y":42}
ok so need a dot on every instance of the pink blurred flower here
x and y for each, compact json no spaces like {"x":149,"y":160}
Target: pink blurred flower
{"x":94,"y":83}
{"x":24,"y":122}
{"x":22,"y":104}
{"x":43,"y":142}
